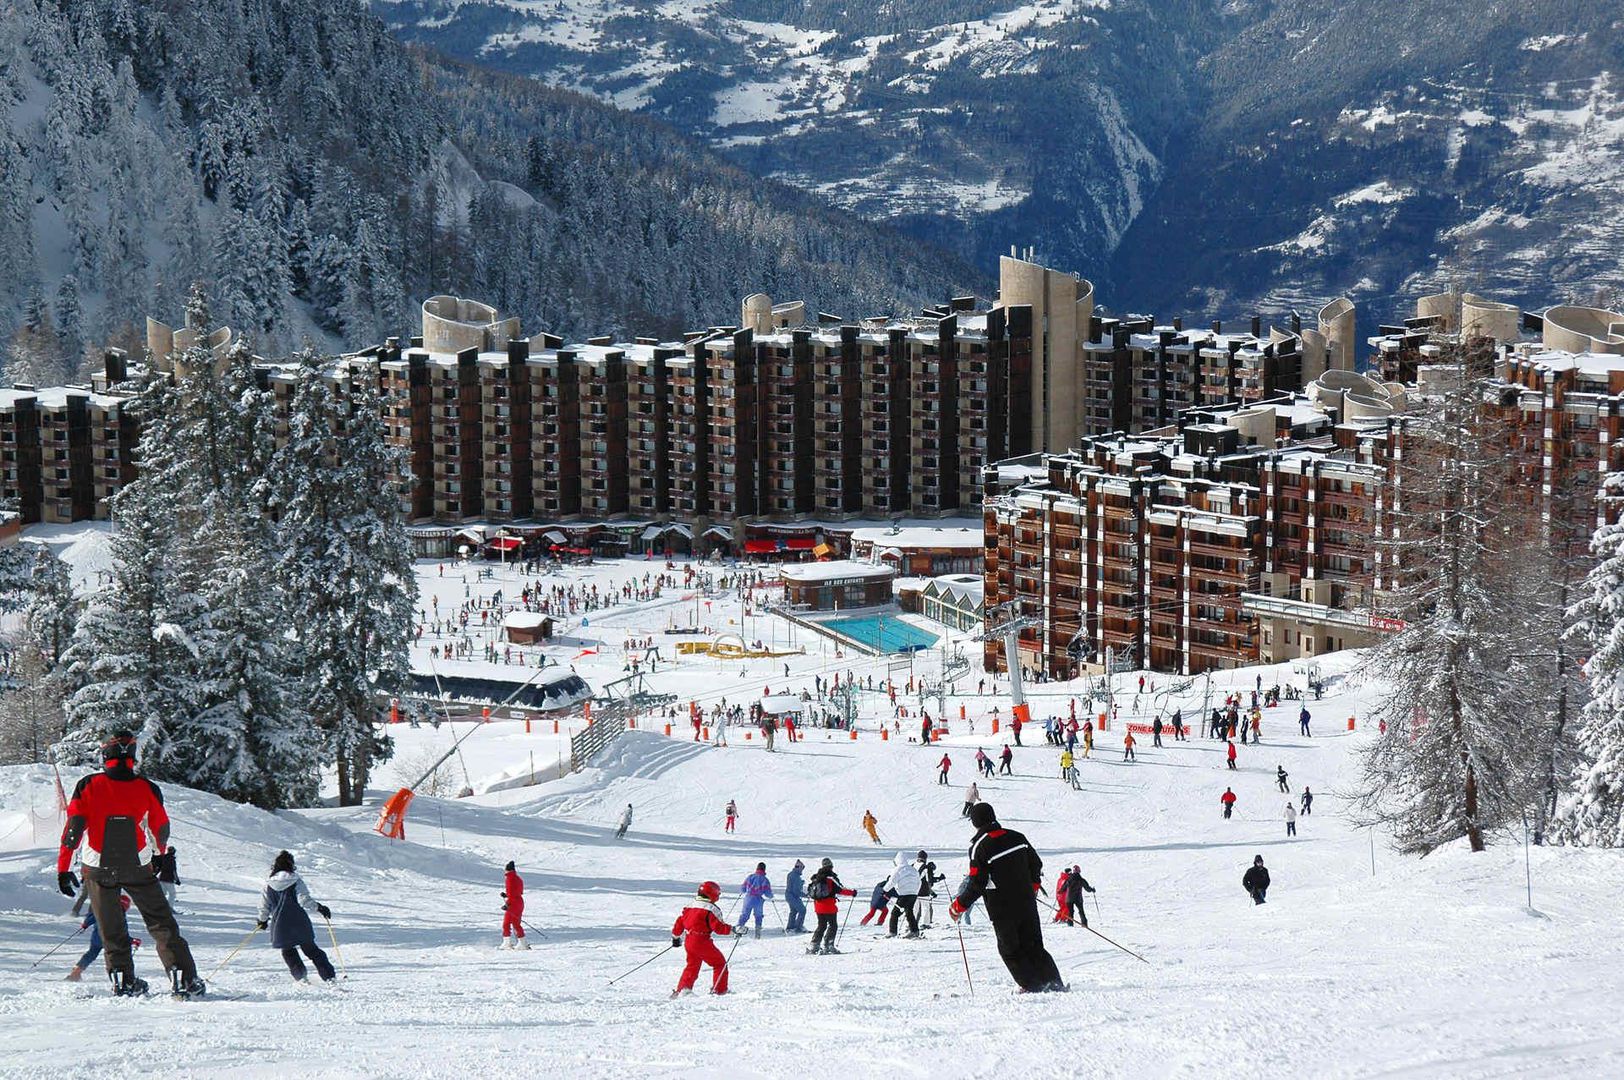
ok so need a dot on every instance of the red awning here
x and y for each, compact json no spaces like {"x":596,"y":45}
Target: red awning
{"x":800,"y":543}
{"x":505,"y":543}
{"x":760,"y":547}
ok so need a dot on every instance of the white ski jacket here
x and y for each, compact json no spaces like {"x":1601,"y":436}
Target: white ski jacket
{"x":904,"y":880}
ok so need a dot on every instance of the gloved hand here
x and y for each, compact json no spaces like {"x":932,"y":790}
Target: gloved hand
{"x":325,"y":912}
{"x":262,"y":924}
{"x":504,"y":905}
{"x":1091,"y":888}
{"x":676,"y":941}
{"x":67,"y":883}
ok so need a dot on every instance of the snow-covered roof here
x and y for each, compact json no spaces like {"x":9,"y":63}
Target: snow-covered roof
{"x":525,"y":620}
{"x":835,"y":570}
{"x":920,"y":537}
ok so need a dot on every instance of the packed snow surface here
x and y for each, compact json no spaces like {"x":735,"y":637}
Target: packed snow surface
{"x":1361,"y":963}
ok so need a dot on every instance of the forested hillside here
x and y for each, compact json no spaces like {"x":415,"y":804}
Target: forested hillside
{"x":323,"y":179}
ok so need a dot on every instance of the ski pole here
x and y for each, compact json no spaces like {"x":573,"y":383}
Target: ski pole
{"x":781,"y":923}
{"x":340,"y":952}
{"x":966,"y":955}
{"x":532,"y":929}
{"x":847,"y":917}
{"x":1103,"y":938}
{"x":728,"y":960}
{"x":230,"y":956}
{"x":643,"y":965}
{"x":58,"y":945}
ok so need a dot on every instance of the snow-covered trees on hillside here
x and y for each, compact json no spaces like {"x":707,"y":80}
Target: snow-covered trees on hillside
{"x":1466,"y":742}
{"x":260,"y":599}
{"x":344,"y":566}
{"x":1593,"y":814}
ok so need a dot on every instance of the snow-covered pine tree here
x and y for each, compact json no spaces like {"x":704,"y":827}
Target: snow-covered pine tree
{"x":52,"y":612}
{"x":346,"y":566}
{"x":1593,"y":813}
{"x":1462,"y":753}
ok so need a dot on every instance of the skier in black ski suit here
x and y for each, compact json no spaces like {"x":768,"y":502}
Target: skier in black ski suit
{"x":1006,"y":874}
{"x":1256,"y":880}
{"x":1076,"y":885}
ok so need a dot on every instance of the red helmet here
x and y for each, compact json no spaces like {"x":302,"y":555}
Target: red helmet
{"x":709,"y":890}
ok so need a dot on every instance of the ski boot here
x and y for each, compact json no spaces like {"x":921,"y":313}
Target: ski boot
{"x":758,"y":933}
{"x":522,"y":943}
{"x":830,"y":950}
{"x":125,"y":984}
{"x":185,"y":987}
{"x":507,"y":942}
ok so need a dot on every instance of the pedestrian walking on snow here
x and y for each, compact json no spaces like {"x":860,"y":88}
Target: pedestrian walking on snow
{"x":794,"y":891}
{"x":826,"y":890}
{"x":625,"y":822}
{"x":872,"y":825}
{"x":1256,"y":881}
{"x":1291,"y":819}
{"x":112,"y":813}
{"x":285,"y":908}
{"x":513,"y":909}
{"x":971,"y":797}
{"x":1006,"y":873}
{"x":693,"y":931}
{"x":756,"y":890}
{"x":945,"y":764}
{"x":1228,"y":799}
{"x":732,"y":813}
{"x":1280,"y":779}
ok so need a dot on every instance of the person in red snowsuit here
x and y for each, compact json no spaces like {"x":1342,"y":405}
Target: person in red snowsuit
{"x":1062,"y":905}
{"x":513,"y":909}
{"x":693,"y":930}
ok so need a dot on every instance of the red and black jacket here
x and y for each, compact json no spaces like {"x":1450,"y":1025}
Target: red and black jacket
{"x":112,"y":812}
{"x":1003,"y":867}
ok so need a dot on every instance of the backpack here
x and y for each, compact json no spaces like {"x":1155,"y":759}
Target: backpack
{"x":821,"y":888}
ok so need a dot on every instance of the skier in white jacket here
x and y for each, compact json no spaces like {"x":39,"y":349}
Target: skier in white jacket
{"x":625,"y":822}
{"x":903,"y":888}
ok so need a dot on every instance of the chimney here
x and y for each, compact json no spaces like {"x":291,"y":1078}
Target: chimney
{"x":1257,"y":326}
{"x":1178,"y":323}
{"x":115,"y":366}
{"x":1217,"y":327}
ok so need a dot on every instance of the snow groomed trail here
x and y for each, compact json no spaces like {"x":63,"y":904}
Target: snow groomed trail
{"x":1424,"y":968}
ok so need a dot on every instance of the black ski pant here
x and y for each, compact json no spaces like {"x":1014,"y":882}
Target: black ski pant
{"x":324,"y":966}
{"x":1258,"y":895}
{"x":824,"y":935}
{"x":103,"y":884}
{"x":1020,"y":942}
{"x":904,"y":905}
{"x":1075,"y":907}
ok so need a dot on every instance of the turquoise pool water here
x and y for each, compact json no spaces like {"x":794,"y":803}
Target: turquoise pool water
{"x":885,"y":634}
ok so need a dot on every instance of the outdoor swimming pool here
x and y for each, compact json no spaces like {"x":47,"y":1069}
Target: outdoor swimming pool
{"x":885,"y":633}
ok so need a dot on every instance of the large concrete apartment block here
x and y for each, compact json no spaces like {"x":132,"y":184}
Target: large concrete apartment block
{"x":1062,"y":307}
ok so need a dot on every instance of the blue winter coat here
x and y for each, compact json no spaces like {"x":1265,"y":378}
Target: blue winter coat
{"x":792,"y":886}
{"x":284,"y":907}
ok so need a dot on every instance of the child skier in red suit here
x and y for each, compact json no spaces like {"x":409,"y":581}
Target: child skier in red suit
{"x":513,"y":909}
{"x":696,"y":924}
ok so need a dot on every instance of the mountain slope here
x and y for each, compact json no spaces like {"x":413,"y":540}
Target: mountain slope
{"x":322,"y":179}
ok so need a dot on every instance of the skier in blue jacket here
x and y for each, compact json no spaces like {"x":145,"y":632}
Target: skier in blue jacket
{"x":284,"y":909}
{"x":792,"y":896}
{"x":757,"y":888}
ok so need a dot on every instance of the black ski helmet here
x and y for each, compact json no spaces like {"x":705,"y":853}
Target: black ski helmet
{"x":828,"y":864}
{"x":761,"y":868}
{"x":509,"y":867}
{"x":119,"y":749}
{"x":923,"y":855}
{"x":1257,"y":860}
{"x":982,"y":815}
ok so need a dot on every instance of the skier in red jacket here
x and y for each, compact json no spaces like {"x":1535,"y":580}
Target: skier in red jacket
{"x":693,"y":930}
{"x":513,"y":910}
{"x":112,"y":814}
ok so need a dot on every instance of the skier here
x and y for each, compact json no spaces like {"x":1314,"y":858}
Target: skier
{"x":1127,"y":747}
{"x":872,"y":824}
{"x":1291,"y":819}
{"x":1280,"y":779}
{"x":1156,"y":732}
{"x":1062,"y":905}
{"x":732,"y":813}
{"x":1003,"y":761}
{"x":1308,"y":800}
{"x":1088,"y":738}
{"x":756,"y":890}
{"x":116,"y":859}
{"x":1178,"y":726}
{"x":1076,"y":886}
{"x":284,"y":908}
{"x":826,"y":890}
{"x":971,"y":797}
{"x":924,"y":731}
{"x":1231,"y":753}
{"x":928,"y":877}
{"x":983,"y":762}
{"x":1015,"y":726}
{"x":945,"y":764}
{"x":793,"y":892}
{"x":1228,"y":799}
{"x":1068,"y":765}
{"x":513,"y":909}
{"x":95,"y":947}
{"x":878,"y":902}
{"x":693,"y":930}
{"x":1256,"y":881}
{"x":168,"y":876}
{"x":625,"y":822}
{"x":1009,"y":887}
{"x":903,"y":889}
{"x":1302,"y":723}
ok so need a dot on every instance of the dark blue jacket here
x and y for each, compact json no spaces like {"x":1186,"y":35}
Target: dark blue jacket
{"x":284,"y":907}
{"x":792,"y":887}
